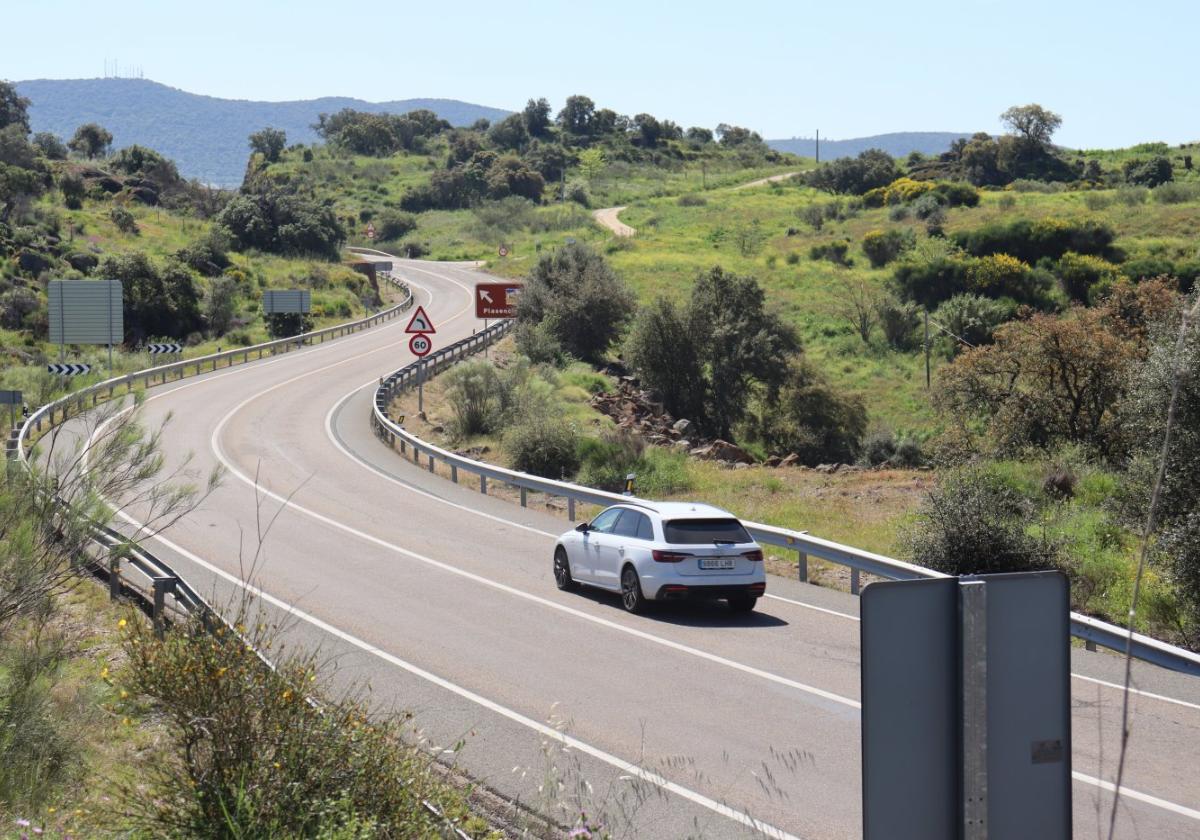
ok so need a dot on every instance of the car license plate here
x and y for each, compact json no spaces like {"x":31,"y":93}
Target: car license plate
{"x":716,"y":562}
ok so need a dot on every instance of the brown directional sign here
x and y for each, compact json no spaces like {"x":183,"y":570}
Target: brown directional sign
{"x":497,"y":300}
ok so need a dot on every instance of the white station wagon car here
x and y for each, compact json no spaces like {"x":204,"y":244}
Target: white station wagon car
{"x":663,"y":551}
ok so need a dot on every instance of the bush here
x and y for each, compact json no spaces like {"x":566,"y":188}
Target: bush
{"x":835,"y":252}
{"x":1132,"y":196}
{"x":395,"y":224}
{"x":1000,"y":275}
{"x":1085,"y":278}
{"x":543,"y":444}
{"x":287,"y":324}
{"x":577,"y":191}
{"x":972,"y":523}
{"x":932,"y":281}
{"x":898,"y":320}
{"x":898,"y":213}
{"x":1029,"y":240}
{"x":808,"y":417}
{"x":957,"y":194}
{"x":124,"y":220}
{"x":973,"y":318}
{"x":472,"y":389}
{"x":1148,"y":172}
{"x":539,"y":344}
{"x":692,"y":200}
{"x":1174,"y":192}
{"x":927,"y":207}
{"x":1096,"y":201}
{"x":883,"y":447}
{"x":872,"y":168}
{"x":606,"y":461}
{"x":881,"y":247}
{"x":582,"y":302}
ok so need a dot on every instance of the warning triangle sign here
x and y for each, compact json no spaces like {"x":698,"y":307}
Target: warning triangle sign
{"x":420,"y":323}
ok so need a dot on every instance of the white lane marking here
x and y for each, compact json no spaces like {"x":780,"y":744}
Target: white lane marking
{"x":215,"y":444}
{"x":812,"y":607}
{"x":537,"y":726}
{"x":1182,"y":810}
{"x":1138,"y":691}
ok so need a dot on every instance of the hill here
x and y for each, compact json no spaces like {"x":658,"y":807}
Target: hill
{"x":897,"y":144}
{"x":204,"y":135}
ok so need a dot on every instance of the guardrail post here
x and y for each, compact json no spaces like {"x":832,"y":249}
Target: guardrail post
{"x":483,"y":484}
{"x":854,"y":581}
{"x":802,"y":567}
{"x":114,"y":578}
{"x":570,"y":509}
{"x":1088,"y":644}
{"x":431,"y":462}
{"x":162,"y":587}
{"x":453,"y":472}
{"x":523,"y":493}
{"x":416,"y":456}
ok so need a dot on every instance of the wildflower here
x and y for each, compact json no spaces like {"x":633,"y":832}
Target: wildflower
{"x":122,"y":623}
{"x":24,"y":823}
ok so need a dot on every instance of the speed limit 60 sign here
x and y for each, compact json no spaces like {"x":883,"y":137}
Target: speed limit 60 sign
{"x":420,"y":345}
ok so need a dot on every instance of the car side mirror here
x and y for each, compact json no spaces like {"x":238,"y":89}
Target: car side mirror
{"x":583,"y":527}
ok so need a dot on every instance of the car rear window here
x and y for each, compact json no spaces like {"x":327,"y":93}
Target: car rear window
{"x":703,"y":531}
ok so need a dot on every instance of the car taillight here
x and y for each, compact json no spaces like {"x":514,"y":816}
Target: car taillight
{"x":668,"y":556}
{"x":755,"y":555}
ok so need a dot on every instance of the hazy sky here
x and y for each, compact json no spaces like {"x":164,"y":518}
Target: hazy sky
{"x":1118,"y":73}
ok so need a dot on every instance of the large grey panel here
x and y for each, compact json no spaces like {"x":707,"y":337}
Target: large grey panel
{"x":276,"y":301}
{"x":910,"y":729}
{"x":1028,"y":706}
{"x":86,"y":312}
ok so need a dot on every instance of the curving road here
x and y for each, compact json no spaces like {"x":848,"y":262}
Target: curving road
{"x":687,"y":721}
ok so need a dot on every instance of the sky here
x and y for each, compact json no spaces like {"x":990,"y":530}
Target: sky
{"x":1118,"y":74}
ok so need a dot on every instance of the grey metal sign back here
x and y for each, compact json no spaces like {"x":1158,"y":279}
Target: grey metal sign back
{"x":86,"y":312}
{"x":966,"y":708}
{"x":282,"y":301}
{"x":10,"y":398}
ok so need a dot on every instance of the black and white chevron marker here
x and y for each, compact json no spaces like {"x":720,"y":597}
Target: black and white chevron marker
{"x":165,"y":348}
{"x":68,"y":369}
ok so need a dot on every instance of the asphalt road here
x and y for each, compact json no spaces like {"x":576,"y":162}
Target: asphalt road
{"x":688,"y":721}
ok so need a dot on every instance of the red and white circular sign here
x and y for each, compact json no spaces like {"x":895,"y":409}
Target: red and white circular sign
{"x":420,"y":345}
{"x":504,"y":250}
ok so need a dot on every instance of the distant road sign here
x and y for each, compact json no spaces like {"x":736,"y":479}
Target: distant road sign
{"x":497,"y":300}
{"x":164,"y":348}
{"x":65,"y":369}
{"x":282,"y":301}
{"x":11,"y":398}
{"x":420,"y":322}
{"x":503,"y":251}
{"x":86,"y":312}
{"x":420,"y":344}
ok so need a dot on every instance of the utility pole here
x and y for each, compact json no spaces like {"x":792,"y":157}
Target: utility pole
{"x":818,"y":145}
{"x":926,"y":349}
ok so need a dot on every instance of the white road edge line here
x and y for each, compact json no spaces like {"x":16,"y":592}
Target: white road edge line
{"x":1138,"y":691}
{"x":492,"y":706}
{"x":1182,"y":810}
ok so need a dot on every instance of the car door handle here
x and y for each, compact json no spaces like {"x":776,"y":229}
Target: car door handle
{"x":621,"y":551}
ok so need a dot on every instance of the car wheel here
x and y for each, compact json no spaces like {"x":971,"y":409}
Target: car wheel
{"x":562,"y":571}
{"x":742,"y":603}
{"x":631,"y":591}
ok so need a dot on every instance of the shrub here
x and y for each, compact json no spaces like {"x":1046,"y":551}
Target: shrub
{"x":539,"y":344}
{"x":124,"y":220}
{"x":813,"y":214}
{"x":73,"y":190}
{"x":1174,"y":192}
{"x":957,"y":194}
{"x":395,"y":224}
{"x":583,"y":303}
{"x":1148,"y":172}
{"x":899,"y":320}
{"x":1132,"y":196}
{"x":927,"y":207}
{"x":577,"y":191}
{"x":972,"y":523}
{"x":1029,"y":240}
{"x":929,"y":282}
{"x":472,"y":389}
{"x":872,"y":168}
{"x":898,"y":213}
{"x":973,"y":318}
{"x":884,"y":447}
{"x":543,"y":444}
{"x":1085,"y":278}
{"x":1096,"y":201}
{"x":692,"y":200}
{"x":810,"y":418}
{"x":881,"y":247}
{"x":1028,"y":185}
{"x":1007,"y":202}
{"x":999,"y":275}
{"x":835,"y":252}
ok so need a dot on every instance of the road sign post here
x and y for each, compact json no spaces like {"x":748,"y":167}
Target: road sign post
{"x":420,"y":326}
{"x":86,"y":312}
{"x":966,"y":717}
{"x":12,"y":399}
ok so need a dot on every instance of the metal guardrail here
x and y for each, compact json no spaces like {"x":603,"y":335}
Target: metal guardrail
{"x":1091,"y":630}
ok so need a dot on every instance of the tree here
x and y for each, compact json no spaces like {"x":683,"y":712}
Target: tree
{"x":579,"y":298}
{"x":699,"y":136}
{"x":591,"y":163}
{"x":537,"y":118}
{"x":91,"y":140}
{"x":220,"y":305}
{"x":872,"y":169}
{"x":649,"y":130}
{"x":156,"y":302}
{"x":49,"y":145}
{"x":510,"y":176}
{"x":666,"y":354}
{"x":1148,"y":173}
{"x":1033,"y":123}
{"x":806,"y":416}
{"x":734,"y":341}
{"x":14,"y":108}
{"x":510,"y":133}
{"x":23,"y":175}
{"x":270,"y":143}
{"x":576,"y":116}
{"x":734,"y":135}
{"x":856,"y":301}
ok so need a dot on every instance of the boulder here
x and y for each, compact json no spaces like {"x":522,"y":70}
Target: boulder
{"x":720,"y":450}
{"x":145,"y":195}
{"x":108,"y":184}
{"x":33,"y":263}
{"x":83,"y":263}
{"x":827,"y":469}
{"x":792,"y":460}
{"x":773,"y":461}
{"x":682,"y":445}
{"x":682,"y":426}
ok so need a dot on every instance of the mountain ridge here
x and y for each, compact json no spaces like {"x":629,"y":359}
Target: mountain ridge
{"x":897,"y":144}
{"x":205,"y":135}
